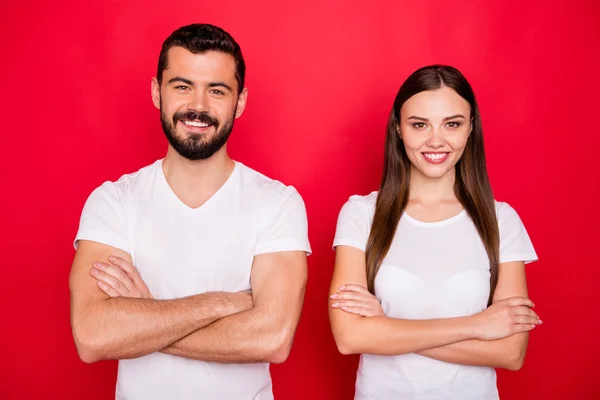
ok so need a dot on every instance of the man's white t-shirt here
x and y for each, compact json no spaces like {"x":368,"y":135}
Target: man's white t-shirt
{"x":180,"y":251}
{"x":432,"y":270}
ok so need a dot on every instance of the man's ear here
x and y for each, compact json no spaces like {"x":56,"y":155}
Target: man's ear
{"x":241,"y":103}
{"x":155,"y":91}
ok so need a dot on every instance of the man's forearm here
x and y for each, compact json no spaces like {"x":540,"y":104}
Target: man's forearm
{"x":246,"y":337}
{"x":506,"y":353}
{"x":120,"y":328}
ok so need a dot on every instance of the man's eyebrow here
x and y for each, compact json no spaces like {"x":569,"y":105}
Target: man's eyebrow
{"x":180,"y":79}
{"x":220,"y":84}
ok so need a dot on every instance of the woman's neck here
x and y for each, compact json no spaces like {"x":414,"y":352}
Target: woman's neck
{"x":424,"y":189}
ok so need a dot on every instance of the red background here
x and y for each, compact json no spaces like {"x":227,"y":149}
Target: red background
{"x":322,"y":75}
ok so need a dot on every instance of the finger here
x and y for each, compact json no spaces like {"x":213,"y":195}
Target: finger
{"x":122,"y":263}
{"x":357,"y":310}
{"x":110,"y":281}
{"x":524,"y":319}
{"x":142,"y":285}
{"x":518,"y":328}
{"x":108,"y":290}
{"x":520,"y":301}
{"x":351,"y":287}
{"x":133,"y":274}
{"x":353,"y":296}
{"x":116,"y":273}
{"x":522,"y":310}
{"x":350,"y":303}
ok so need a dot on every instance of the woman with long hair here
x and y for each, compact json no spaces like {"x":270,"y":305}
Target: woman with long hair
{"x":429,"y":281}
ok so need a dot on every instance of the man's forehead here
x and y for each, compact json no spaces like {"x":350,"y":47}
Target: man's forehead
{"x":216,"y":62}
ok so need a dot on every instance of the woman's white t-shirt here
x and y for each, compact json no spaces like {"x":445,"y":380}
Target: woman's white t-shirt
{"x":432,"y":270}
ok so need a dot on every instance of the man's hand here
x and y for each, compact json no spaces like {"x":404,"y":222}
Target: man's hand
{"x":120,"y":278}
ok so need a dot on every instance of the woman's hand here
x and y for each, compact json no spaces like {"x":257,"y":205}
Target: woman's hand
{"x":505,"y":318}
{"x":356,"y":299}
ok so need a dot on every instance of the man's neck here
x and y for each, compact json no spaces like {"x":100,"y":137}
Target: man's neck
{"x":194,"y":182}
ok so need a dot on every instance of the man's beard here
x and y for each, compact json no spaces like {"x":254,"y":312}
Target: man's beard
{"x":196,"y":146}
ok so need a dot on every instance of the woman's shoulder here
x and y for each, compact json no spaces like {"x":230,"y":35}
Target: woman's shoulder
{"x":504,"y":210}
{"x":368,"y":200}
{"x":359,"y":206}
{"x":508,"y":218}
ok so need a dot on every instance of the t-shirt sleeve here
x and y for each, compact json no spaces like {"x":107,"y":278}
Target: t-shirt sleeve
{"x":353,"y":225}
{"x":515,"y":244}
{"x":286,"y":228}
{"x":103,"y":218}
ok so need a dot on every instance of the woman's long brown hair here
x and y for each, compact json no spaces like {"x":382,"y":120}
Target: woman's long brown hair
{"x":472,"y":185}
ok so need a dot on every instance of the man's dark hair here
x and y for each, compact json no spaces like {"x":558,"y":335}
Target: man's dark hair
{"x":200,"y":38}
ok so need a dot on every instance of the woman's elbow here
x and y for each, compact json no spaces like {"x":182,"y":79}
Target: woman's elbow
{"x":345,"y":349}
{"x":515,"y":359}
{"x":345,"y":344}
{"x":516,"y":364}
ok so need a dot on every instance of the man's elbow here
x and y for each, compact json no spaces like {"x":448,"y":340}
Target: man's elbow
{"x":87,"y":355}
{"x":280,"y":346}
{"x":88,"y":344}
{"x":279,"y":355}
{"x":87,"y":351}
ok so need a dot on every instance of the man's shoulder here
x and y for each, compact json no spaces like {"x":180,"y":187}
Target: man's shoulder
{"x":261,"y":185}
{"x":128,"y":183}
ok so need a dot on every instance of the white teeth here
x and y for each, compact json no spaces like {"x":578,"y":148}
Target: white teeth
{"x":197,"y":124}
{"x":435,"y":156}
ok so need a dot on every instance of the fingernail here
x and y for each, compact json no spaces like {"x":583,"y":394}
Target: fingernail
{"x":98,"y":264}
{"x":532,"y":326}
{"x":333,"y":296}
{"x":342,"y":287}
{"x":111,"y":258}
{"x":541,"y":322}
{"x":335,"y":305}
{"x":94,"y":271}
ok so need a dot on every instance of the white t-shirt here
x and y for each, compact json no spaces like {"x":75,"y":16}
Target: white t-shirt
{"x":180,"y":251}
{"x":432,"y":270}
